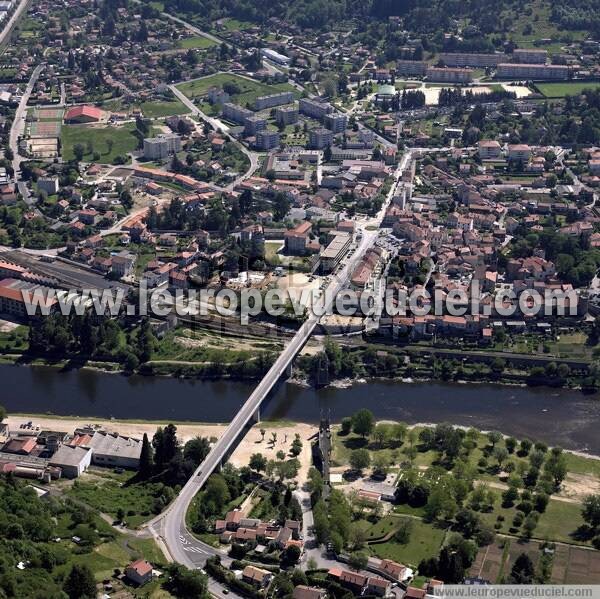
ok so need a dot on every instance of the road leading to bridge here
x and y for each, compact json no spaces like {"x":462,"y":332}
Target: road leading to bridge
{"x":170,"y":526}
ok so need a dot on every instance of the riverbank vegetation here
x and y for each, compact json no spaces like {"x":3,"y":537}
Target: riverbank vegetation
{"x":424,"y":362}
{"x":457,"y":493}
{"x":137,"y":347}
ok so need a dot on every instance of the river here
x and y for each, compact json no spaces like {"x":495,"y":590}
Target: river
{"x":560,"y":417}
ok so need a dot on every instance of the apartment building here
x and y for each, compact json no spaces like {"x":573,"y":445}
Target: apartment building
{"x":286,"y":115}
{"x":320,"y":138}
{"x":511,"y":70}
{"x":161,"y":146}
{"x":411,"y":68}
{"x":468,"y":59}
{"x":316,"y":110}
{"x":273,"y":100}
{"x":253,"y":124}
{"x":296,"y":239}
{"x":235,"y":113}
{"x":489,"y":149}
{"x":267,"y":140}
{"x":520,"y":152}
{"x":336,"y":122}
{"x":216,"y":95}
{"x":449,"y":75}
{"x":530,"y":56}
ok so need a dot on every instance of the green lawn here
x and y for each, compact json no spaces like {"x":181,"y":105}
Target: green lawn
{"x":154,"y":110}
{"x":567,"y":88}
{"x":559,"y":521}
{"x":123,"y":140}
{"x":425,"y":541}
{"x":198,"y":41}
{"x":249,"y":88}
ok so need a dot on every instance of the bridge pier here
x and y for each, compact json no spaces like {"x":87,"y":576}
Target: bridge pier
{"x":256,"y":416}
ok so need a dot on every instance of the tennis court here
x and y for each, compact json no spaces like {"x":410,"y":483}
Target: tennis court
{"x":48,"y":114}
{"x":44,"y":129}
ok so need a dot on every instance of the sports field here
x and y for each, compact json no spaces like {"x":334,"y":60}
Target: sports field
{"x":44,"y":128}
{"x":109,"y":142}
{"x":561,"y":89}
{"x":48,"y":114}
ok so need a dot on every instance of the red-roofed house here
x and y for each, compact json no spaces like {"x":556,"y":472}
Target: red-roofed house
{"x":83,"y":114}
{"x":139,"y":572}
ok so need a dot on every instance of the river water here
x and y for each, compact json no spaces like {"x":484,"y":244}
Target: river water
{"x":561,"y":417}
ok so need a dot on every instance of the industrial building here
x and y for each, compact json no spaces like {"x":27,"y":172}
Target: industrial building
{"x":335,"y":251}
{"x":276,"y":57}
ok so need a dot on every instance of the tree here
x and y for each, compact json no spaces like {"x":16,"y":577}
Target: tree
{"x":511,"y":444}
{"x":2,"y":413}
{"x":556,"y":466}
{"x":296,"y":448}
{"x":522,"y":571}
{"x":80,"y":583}
{"x":314,"y":483}
{"x":494,"y":437}
{"x":184,"y":583}
{"x":500,"y":453}
{"x":146,"y":458}
{"x":382,"y":433}
{"x":525,"y":447}
{"x":291,"y":555}
{"x":591,"y":510}
{"x":380,"y":464}
{"x":402,"y":534}
{"x":258,"y":462}
{"x":78,"y":152}
{"x":196,"y":450}
{"x":440,"y":504}
{"x":358,"y":561}
{"x":363,"y":422}
{"x":346,"y":426}
{"x":360,"y":459}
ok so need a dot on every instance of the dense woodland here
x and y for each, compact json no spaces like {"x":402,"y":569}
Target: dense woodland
{"x":418,"y":15}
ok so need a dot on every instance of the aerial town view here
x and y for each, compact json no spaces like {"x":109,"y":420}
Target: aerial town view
{"x":299,"y":299}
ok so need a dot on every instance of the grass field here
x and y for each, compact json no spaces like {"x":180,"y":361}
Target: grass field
{"x":567,"y":88}
{"x":123,"y":139}
{"x":197,"y":42}
{"x":249,"y":88}
{"x":425,"y":541}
